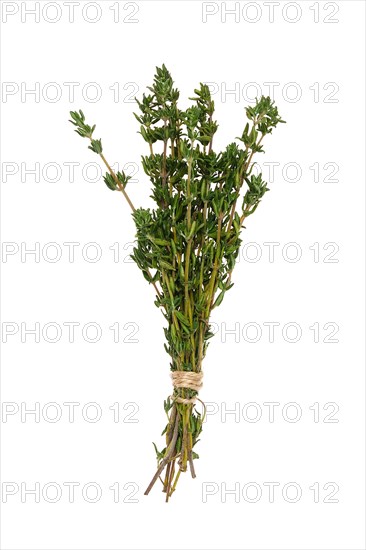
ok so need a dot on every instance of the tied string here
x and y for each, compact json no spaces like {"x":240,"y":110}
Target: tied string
{"x":189,"y":380}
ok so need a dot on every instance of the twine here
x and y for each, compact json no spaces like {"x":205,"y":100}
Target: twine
{"x":189,"y":380}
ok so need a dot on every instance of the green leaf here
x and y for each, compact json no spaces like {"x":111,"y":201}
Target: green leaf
{"x":182,"y":318}
{"x":167,"y":265}
{"x":109,"y":181}
{"x":219,"y":299}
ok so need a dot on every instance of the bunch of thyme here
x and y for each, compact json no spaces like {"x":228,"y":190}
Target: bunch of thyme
{"x":187,"y":246}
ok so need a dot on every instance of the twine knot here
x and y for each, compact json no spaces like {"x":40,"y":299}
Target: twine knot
{"x":189,"y":380}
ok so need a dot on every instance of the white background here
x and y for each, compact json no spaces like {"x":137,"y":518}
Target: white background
{"x":317,"y":46}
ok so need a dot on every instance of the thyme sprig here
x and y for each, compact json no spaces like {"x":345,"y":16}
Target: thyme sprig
{"x":187,"y":246}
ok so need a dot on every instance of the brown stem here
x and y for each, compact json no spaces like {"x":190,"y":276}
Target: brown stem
{"x":166,"y":459}
{"x":167,"y":476}
{"x":211,"y":292}
{"x":243,"y":171}
{"x":171,"y":477}
{"x":118,"y":183}
{"x":184,"y":453}
{"x":242,"y":218}
{"x":171,"y":425}
{"x":191,"y":465}
{"x":211,"y":140}
{"x":121,"y":188}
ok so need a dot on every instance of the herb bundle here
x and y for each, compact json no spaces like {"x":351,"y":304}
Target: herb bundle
{"x":187,"y":246}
